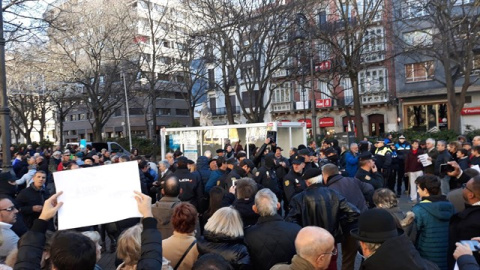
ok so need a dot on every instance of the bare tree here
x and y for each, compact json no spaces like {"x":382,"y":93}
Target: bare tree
{"x":445,"y":36}
{"x":90,"y":44}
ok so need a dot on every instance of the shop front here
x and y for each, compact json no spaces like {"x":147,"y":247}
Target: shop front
{"x":425,"y":116}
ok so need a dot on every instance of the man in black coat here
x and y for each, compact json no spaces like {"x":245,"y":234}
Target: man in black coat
{"x":271,"y":240}
{"x":293,"y":182}
{"x":267,"y":176}
{"x":466,"y":224}
{"x":191,"y":186}
{"x":385,"y":246}
{"x":357,"y":193}
{"x":368,"y":172}
{"x":31,"y":199}
{"x":320,"y":206}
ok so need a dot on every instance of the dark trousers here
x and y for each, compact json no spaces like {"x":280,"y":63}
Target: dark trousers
{"x":349,"y":252}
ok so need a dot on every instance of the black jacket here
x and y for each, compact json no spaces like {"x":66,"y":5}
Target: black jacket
{"x":355,"y":191}
{"x":151,"y":249}
{"x":463,"y":226}
{"x":442,"y":158}
{"x":323,"y":207}
{"x":192,"y":191}
{"x":271,"y":241}
{"x":231,"y":249}
{"x":235,"y":173}
{"x":397,"y":253}
{"x":244,"y":207}
{"x":29,"y":197}
{"x":374,"y":179}
{"x":267,"y":176}
{"x":293,"y":183}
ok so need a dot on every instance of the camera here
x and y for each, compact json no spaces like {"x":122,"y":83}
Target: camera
{"x":272,"y":135}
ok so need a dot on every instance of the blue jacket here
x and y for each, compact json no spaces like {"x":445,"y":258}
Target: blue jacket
{"x":432,"y":216}
{"x":352,"y":164}
{"x":212,"y":181}
{"x":203,"y":168}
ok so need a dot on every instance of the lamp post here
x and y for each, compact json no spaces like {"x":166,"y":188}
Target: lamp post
{"x":127,"y":112}
{"x":4,"y":111}
{"x":300,"y":36}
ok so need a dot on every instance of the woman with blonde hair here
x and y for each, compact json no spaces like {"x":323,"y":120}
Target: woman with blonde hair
{"x":128,"y":248}
{"x":223,"y":235}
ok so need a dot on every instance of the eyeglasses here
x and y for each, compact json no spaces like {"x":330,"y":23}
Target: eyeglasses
{"x":333,"y":253}
{"x":9,"y":209}
{"x":464,"y":186}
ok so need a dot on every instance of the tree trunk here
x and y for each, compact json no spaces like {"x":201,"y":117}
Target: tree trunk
{"x":357,"y":108}
{"x":154,"y":123}
{"x":228,"y":107}
{"x":60,"y":135}
{"x":97,"y":131}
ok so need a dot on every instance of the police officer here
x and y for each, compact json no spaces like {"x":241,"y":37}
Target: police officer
{"x":367,"y":171}
{"x":307,"y":157}
{"x":293,"y":182}
{"x":383,"y":158}
{"x":403,"y":147}
{"x":267,"y":176}
{"x":239,"y":171}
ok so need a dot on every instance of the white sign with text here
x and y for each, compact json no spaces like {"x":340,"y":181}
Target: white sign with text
{"x":97,"y":195}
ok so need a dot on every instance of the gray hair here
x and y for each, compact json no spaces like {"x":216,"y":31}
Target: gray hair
{"x":385,"y":198}
{"x":353,"y":144}
{"x":315,"y":180}
{"x":330,"y":169}
{"x":208,"y":154}
{"x":430,"y":140}
{"x":165,"y":163}
{"x":266,"y":202}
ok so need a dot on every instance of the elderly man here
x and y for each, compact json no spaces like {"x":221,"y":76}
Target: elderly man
{"x":8,"y":216}
{"x":432,"y":155}
{"x":351,"y":160}
{"x":31,"y":199}
{"x":384,"y":246}
{"x":271,"y":240}
{"x":323,"y":207}
{"x":163,"y":209}
{"x":315,"y":250}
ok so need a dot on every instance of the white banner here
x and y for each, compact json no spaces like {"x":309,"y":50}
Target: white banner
{"x":97,"y":195}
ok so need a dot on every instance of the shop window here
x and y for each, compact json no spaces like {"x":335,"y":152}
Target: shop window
{"x":417,"y":72}
{"x":428,"y":117}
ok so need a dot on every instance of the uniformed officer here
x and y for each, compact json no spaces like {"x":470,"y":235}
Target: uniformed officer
{"x":307,"y":157}
{"x":403,"y":147}
{"x":267,"y":176}
{"x":367,"y":171}
{"x":239,"y":171}
{"x":293,"y":182}
{"x":383,"y":158}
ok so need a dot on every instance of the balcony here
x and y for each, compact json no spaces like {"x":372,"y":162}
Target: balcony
{"x":223,"y":111}
{"x":282,"y":106}
{"x":370,"y":98}
{"x":279,"y":73}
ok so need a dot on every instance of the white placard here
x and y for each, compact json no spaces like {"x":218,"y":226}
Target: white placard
{"x":97,"y":195}
{"x":476,"y":167}
{"x":424,"y":160}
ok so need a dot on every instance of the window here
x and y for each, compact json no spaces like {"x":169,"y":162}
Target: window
{"x":164,"y":111}
{"x":418,"y":72}
{"x":211,"y":78}
{"x":367,"y":7}
{"x":373,"y":45}
{"x":413,"y":9}
{"x":282,"y":93}
{"x":118,"y":112}
{"x":135,"y":111}
{"x":323,"y":51}
{"x":325,"y":89}
{"x":181,"y":111}
{"x":302,"y":92}
{"x":73,"y":117}
{"x":373,"y":80}
{"x":178,"y":95}
{"x":322,"y":17}
{"x":418,"y":38}
{"x":346,"y":86}
{"x":163,"y":77}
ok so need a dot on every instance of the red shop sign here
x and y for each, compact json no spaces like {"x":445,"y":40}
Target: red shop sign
{"x":326,"y":122}
{"x":471,"y":111}
{"x":309,"y":122}
{"x":323,"y":103}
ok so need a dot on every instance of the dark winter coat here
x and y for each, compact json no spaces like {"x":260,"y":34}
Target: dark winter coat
{"x":213,"y":179}
{"x":442,"y":158}
{"x":271,"y":241}
{"x":230,"y":248}
{"x":432,"y":216}
{"x":467,"y":262}
{"x":203,"y":168}
{"x":29,"y":197}
{"x":244,"y":207}
{"x":323,"y":207}
{"x":397,"y":253}
{"x":355,"y":191}
{"x":463,"y":226}
{"x":267,"y":176}
{"x":192,"y":190}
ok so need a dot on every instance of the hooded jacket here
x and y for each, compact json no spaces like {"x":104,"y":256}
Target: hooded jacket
{"x":397,"y":253}
{"x":203,"y":168}
{"x":230,"y":248}
{"x":432,"y":216}
{"x":267,"y":176}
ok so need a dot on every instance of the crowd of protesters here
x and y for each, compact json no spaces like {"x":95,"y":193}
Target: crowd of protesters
{"x":258,"y":209}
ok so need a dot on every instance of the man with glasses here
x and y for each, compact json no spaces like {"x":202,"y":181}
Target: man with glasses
{"x":466,"y":224}
{"x":8,"y":216}
{"x":315,"y":248}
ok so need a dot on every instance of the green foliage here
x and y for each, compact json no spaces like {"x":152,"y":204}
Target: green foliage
{"x":45,"y":144}
{"x":175,"y":124}
{"x":447,"y":135}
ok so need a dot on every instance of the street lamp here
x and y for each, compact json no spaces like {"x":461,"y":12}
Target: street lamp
{"x":4,"y":111}
{"x":127,"y":112}
{"x":300,"y":36}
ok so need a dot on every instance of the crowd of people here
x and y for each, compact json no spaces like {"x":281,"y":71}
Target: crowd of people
{"x":258,"y":209}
